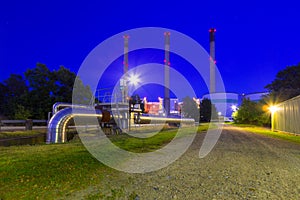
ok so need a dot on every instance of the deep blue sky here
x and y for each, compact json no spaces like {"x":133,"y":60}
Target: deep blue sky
{"x":254,"y":39}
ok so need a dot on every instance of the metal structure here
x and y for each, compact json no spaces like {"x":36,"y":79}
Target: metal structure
{"x":212,"y":58}
{"x":113,"y":114}
{"x":167,"y":74}
{"x":168,"y":120}
{"x":287,"y":115}
{"x":56,"y":132}
{"x":113,"y":119}
{"x":124,"y":81}
{"x":256,"y":97}
{"x":223,"y":102}
{"x":59,"y":105}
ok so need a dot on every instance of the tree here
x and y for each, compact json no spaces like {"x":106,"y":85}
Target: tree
{"x":41,"y":85}
{"x":286,"y":84}
{"x":63,"y":84}
{"x":48,"y":87}
{"x":190,"y":109}
{"x":3,"y":90}
{"x":14,"y":94}
{"x":82,"y":94}
{"x":16,"y":86}
{"x":34,"y":96}
{"x":21,"y":112}
{"x":208,"y":110}
{"x":251,"y":112}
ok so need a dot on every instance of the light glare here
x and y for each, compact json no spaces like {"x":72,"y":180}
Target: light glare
{"x":273,"y":109}
{"x":234,"y":108}
{"x":134,"y":79}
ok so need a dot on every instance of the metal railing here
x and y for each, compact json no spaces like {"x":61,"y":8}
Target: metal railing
{"x":17,"y":124}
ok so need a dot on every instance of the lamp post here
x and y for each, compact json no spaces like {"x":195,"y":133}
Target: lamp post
{"x":273,"y":109}
{"x":134,"y":80}
{"x":131,"y":79}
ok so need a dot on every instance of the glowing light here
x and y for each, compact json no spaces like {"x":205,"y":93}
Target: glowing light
{"x":134,"y":79}
{"x":234,"y":108}
{"x":273,"y":109}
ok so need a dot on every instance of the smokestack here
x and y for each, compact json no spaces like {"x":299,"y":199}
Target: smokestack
{"x":167,"y":73}
{"x":212,"y":58}
{"x":125,"y":69}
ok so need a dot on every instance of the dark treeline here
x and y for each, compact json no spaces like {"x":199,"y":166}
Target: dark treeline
{"x":32,"y":95}
{"x":205,"y":112}
{"x":286,"y":85}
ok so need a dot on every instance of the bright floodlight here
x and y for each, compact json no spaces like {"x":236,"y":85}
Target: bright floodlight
{"x":273,"y":109}
{"x":234,"y":108}
{"x":134,"y":79}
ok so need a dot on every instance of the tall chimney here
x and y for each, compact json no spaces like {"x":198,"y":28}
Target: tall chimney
{"x":125,"y":69}
{"x":212,"y":58}
{"x":167,"y":74}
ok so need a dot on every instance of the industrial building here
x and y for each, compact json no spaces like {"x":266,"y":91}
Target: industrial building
{"x":224,"y":102}
{"x":286,"y":117}
{"x":256,"y":97}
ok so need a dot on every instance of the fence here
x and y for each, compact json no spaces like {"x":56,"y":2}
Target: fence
{"x":287,"y":117}
{"x":16,"y":124}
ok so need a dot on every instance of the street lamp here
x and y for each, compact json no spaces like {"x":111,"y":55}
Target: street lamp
{"x":273,"y":109}
{"x":234,"y":108}
{"x":133,"y":79}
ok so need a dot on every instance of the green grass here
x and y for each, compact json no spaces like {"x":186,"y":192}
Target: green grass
{"x":58,"y":170}
{"x":158,"y":140}
{"x":15,"y":134}
{"x":47,"y":171}
{"x":267,"y":132}
{"x":140,"y":145}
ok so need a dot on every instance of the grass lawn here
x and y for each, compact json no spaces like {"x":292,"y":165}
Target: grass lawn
{"x":267,"y":132}
{"x":15,"y":134}
{"x":57,"y":170}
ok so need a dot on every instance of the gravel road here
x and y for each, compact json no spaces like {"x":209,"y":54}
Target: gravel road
{"x":241,"y":166}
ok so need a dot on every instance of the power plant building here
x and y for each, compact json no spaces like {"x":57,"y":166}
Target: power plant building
{"x":256,"y":97}
{"x":223,"y":105}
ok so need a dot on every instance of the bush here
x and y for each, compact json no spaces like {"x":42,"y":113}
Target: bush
{"x":251,"y":112}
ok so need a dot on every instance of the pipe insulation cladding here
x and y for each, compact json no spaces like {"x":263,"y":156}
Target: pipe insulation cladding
{"x":56,"y":131}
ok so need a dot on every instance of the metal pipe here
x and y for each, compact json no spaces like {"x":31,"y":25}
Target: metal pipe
{"x":161,"y":120}
{"x":56,"y":131}
{"x":58,"y":105}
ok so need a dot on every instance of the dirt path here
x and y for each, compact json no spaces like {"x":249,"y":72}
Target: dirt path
{"x":241,"y":166}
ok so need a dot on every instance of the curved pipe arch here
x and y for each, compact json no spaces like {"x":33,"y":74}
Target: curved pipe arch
{"x":56,"y":107}
{"x":56,"y":131}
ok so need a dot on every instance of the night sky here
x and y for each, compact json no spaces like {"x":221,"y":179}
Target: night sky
{"x":254,"y":39}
